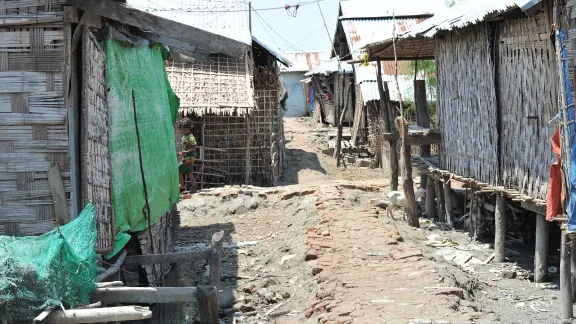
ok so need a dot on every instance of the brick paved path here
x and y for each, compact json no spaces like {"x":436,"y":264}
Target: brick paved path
{"x":367,"y":272}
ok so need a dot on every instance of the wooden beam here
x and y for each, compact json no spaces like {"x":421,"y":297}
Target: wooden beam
{"x":152,"y":24}
{"x":167,"y":258}
{"x":145,"y":295}
{"x":99,"y":315}
{"x":422,"y":113}
{"x":447,"y":188}
{"x":430,"y":206}
{"x":208,"y":304}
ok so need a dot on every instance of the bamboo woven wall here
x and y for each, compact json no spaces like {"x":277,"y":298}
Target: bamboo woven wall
{"x":95,"y":147}
{"x":161,"y":243}
{"x":220,"y":86}
{"x":528,"y":95}
{"x":33,"y":128}
{"x":467,"y":104}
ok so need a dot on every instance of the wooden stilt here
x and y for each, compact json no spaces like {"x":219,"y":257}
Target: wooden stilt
{"x":566,"y":278}
{"x":208,"y":304}
{"x":447,"y":186}
{"x":430,"y":207}
{"x":407,"y":182}
{"x":422,"y":114}
{"x":440,"y":200}
{"x":573,"y":266}
{"x":388,"y":124}
{"x":541,"y":253}
{"x":500,"y":232}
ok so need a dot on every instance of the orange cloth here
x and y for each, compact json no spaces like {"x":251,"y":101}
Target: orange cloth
{"x":556,"y":192}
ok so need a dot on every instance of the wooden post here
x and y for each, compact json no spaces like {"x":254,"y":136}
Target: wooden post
{"x":410,"y":208}
{"x":208,"y":304}
{"x":422,"y":114}
{"x":341,"y":127}
{"x":447,"y":186}
{"x":247,"y":162}
{"x":500,"y":228}
{"x":216,"y":259}
{"x":440,"y":200}
{"x":430,"y":207}
{"x":566,"y":277}
{"x":388,"y":122}
{"x":541,"y":253}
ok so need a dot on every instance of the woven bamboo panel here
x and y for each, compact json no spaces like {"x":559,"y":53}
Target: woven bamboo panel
{"x":161,"y":243}
{"x":33,"y":128}
{"x":220,"y":86}
{"x":528,"y":95}
{"x":95,"y":146}
{"x":230,"y":133}
{"x":467,"y":104}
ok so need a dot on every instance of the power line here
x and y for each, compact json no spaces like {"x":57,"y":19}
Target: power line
{"x":216,"y":9}
{"x":275,"y":32}
{"x":313,"y":33}
{"x":327,"y":32}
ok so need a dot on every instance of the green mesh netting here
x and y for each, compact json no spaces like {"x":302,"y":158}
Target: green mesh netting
{"x":57,"y":267}
{"x":135,"y":66}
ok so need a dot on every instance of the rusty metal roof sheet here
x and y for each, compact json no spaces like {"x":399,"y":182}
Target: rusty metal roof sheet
{"x":305,"y":61}
{"x":330,"y":67}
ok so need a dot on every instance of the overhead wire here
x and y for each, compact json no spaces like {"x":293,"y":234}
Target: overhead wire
{"x":275,"y":32}
{"x":290,"y":9}
{"x":300,"y":41}
{"x":329,"y":37}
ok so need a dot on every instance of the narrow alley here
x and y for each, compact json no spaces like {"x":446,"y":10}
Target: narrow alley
{"x":318,"y":250}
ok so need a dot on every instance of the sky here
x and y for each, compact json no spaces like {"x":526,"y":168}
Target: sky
{"x":306,"y":32}
{"x":301,"y":30}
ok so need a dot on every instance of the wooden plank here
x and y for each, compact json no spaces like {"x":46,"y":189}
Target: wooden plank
{"x":167,"y":258}
{"x":153,"y":24}
{"x":147,"y":295}
{"x":22,"y":19}
{"x":58,"y":195}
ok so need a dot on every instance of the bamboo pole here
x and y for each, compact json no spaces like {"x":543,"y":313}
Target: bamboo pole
{"x":411,"y":209}
{"x":99,"y":315}
{"x":338,"y":149}
{"x":388,"y":123}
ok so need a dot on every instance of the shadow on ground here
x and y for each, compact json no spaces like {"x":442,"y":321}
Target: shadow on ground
{"x":302,"y":167}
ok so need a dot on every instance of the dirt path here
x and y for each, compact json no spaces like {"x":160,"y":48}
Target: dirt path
{"x":316,"y":250}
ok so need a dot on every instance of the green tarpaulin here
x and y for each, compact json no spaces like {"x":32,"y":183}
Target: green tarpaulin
{"x":138,"y":67}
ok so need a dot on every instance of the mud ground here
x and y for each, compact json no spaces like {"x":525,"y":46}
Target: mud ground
{"x":316,"y":250}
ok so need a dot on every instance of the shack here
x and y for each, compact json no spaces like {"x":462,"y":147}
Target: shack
{"x":359,"y":24}
{"x":63,"y":145}
{"x":330,"y":81}
{"x":498,"y":103}
{"x":232,"y":98}
{"x":299,"y":102}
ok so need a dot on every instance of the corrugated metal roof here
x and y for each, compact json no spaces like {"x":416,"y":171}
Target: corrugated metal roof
{"x":330,"y":67}
{"x":279,"y":57}
{"x":361,"y":32}
{"x":366,"y":77}
{"x":384,"y":8}
{"x":464,"y":14}
{"x":305,"y":61}
{"x":233,"y":25}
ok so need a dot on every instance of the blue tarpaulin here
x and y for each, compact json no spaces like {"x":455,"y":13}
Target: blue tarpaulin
{"x":570,"y":170}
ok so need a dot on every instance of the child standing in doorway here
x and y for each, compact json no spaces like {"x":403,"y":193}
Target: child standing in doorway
{"x":189,"y":154}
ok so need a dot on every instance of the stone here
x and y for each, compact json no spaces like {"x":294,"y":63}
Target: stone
{"x":325,"y":233}
{"x":285,"y":295}
{"x":309,"y":312}
{"x":287,"y":257}
{"x":509,"y":274}
{"x":363,"y":163}
{"x":316,"y":270}
{"x":244,"y":308}
{"x":307,"y":192}
{"x":350,"y":159}
{"x":449,"y":291}
{"x":230,"y":193}
{"x":269,"y":282}
{"x":407,"y":254}
{"x":289,"y":194}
